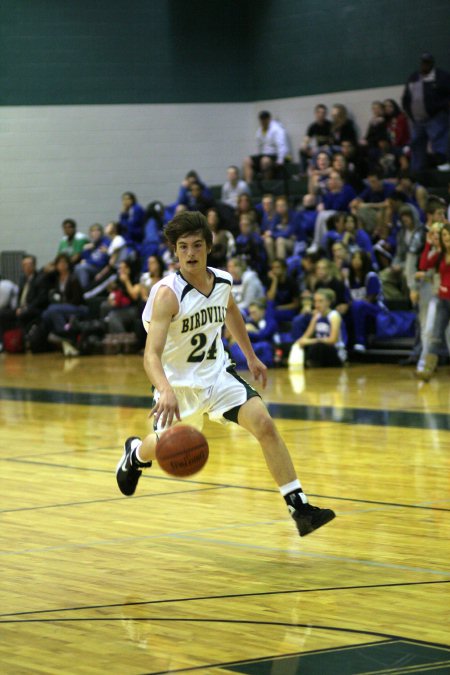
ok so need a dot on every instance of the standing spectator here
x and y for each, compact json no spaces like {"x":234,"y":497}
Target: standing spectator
{"x":342,"y":127}
{"x":233,"y":187}
{"x":441,"y":260}
{"x":272,"y":149}
{"x":132,"y":220}
{"x":316,"y":137}
{"x":426,"y":99}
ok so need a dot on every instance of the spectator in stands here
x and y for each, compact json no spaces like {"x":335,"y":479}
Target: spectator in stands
{"x":153,"y":227}
{"x":342,"y":127}
{"x":280,"y":239}
{"x":328,"y":277}
{"x":441,"y":261}
{"x":318,"y":173}
{"x":184,"y":193}
{"x":316,"y":137}
{"x":396,"y":125}
{"x":305,"y":218}
{"x":245,"y":205}
{"x":399,"y":278}
{"x":94,"y":256}
{"x":233,"y":187}
{"x":375,"y":134}
{"x":9,"y":292}
{"x":250,"y":247}
{"x":272,"y":149}
{"x":415,"y":193}
{"x":33,"y":293}
{"x":155,"y":272}
{"x":427,"y":299}
{"x":355,"y":237}
{"x":282,"y":291}
{"x":121,"y":309}
{"x":367,"y":300}
{"x":356,"y":165}
{"x":426,"y":99}
{"x":118,"y":251}
{"x":72,"y":242}
{"x":65,"y":297}
{"x":223,"y":245}
{"x":434,"y":211}
{"x":371,"y":204}
{"x":261,"y":327}
{"x":268,"y":213}
{"x":337,"y":197}
{"x":247,"y":286}
{"x":198,"y":201}
{"x":340,"y":258}
{"x":323,"y":341}
{"x":132,"y":219}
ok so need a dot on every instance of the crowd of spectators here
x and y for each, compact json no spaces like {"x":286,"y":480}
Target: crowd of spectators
{"x":322,"y":271}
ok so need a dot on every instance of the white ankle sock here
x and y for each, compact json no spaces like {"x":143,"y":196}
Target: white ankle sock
{"x":293,"y":486}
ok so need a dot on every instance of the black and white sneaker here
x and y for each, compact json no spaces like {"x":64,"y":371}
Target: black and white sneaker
{"x":309,"y":518}
{"x":127,"y":472}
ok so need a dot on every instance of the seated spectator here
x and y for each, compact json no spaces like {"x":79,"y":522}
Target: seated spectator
{"x":356,"y":165}
{"x":367,"y":299}
{"x":223,"y":246}
{"x":396,"y":125}
{"x":72,"y":243}
{"x":198,"y":201}
{"x":356,"y":238}
{"x":155,"y":272}
{"x":250,"y":247}
{"x":131,"y":220}
{"x":316,"y":137}
{"x":32,"y":298}
{"x":323,"y":340}
{"x":268,"y":213}
{"x":319,"y":172}
{"x":118,"y":251}
{"x":305,"y":218}
{"x":282,"y":291}
{"x":184,"y":193}
{"x":337,"y":197}
{"x":272,"y":149}
{"x":94,"y":256}
{"x":370,"y":205}
{"x":247,"y":286}
{"x":233,"y":187}
{"x":342,"y":127}
{"x":261,"y":327}
{"x":415,"y":193}
{"x":65,"y":297}
{"x":376,"y":133}
{"x":399,"y":278}
{"x":328,"y":277}
{"x":121,"y":309}
{"x":245,"y":205}
{"x":280,"y":239}
{"x":340,"y":258}
{"x":153,"y":231}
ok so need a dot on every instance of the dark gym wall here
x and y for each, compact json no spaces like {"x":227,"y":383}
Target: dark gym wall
{"x":55,"y":52}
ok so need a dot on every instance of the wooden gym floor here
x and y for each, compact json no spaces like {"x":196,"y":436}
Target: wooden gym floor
{"x":207,"y":575}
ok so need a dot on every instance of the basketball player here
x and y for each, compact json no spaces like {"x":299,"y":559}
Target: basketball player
{"x":191,"y":373}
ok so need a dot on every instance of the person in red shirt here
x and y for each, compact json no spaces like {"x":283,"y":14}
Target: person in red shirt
{"x":441,"y":261}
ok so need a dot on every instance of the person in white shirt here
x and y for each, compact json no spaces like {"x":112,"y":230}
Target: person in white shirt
{"x":273,"y":148}
{"x":233,"y":187}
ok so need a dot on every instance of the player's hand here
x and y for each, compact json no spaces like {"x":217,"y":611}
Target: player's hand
{"x":166,"y":408}
{"x":258,"y":370}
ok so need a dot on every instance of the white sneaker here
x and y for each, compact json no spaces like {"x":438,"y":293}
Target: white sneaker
{"x":359,"y":348}
{"x":444,"y":167}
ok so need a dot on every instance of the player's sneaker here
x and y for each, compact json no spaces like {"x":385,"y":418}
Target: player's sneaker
{"x":309,"y":518}
{"x":127,"y":473}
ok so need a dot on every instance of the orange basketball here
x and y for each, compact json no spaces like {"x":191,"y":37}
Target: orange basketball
{"x":182,"y":450}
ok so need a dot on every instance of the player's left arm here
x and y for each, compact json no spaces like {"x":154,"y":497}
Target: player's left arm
{"x":235,"y":324}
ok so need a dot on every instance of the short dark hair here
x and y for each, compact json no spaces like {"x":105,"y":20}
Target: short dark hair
{"x":187,"y":222}
{"x":397,"y":196}
{"x":69,"y":221}
{"x":131,"y":195}
{"x":264,"y":115}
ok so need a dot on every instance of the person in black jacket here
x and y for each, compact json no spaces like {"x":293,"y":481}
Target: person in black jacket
{"x":426,"y":99}
{"x":65,"y":297}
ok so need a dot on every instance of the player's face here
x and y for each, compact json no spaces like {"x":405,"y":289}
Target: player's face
{"x":320,"y":303}
{"x":192,"y":252}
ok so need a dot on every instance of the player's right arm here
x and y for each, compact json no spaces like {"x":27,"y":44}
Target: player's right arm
{"x":165,"y":306}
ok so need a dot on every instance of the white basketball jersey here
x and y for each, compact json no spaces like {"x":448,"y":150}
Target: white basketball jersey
{"x":194,"y":354}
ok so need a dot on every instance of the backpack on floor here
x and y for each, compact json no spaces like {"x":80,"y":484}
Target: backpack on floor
{"x":13,"y":341}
